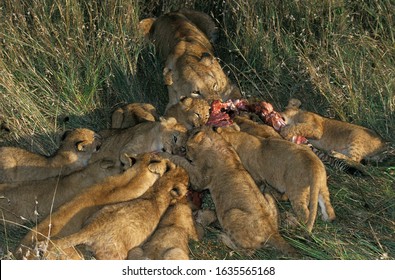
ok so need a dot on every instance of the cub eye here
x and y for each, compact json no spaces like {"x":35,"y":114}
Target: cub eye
{"x":197,"y":115}
{"x":174,"y":138}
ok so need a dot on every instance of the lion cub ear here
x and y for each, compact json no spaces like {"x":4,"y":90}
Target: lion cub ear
{"x":168,"y":76}
{"x":186,"y":101}
{"x":218,"y":129}
{"x":178,"y":191}
{"x":80,"y":145}
{"x":170,"y":122}
{"x":128,"y":160}
{"x":293,"y":103}
{"x":65,"y":134}
{"x":207,"y":59}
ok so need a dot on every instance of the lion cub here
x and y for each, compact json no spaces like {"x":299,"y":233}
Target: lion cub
{"x":248,"y":218}
{"x":75,"y":150}
{"x":32,"y":201}
{"x":164,"y":135}
{"x":190,"y":66}
{"x":120,"y":227}
{"x":256,"y":129}
{"x":171,"y":237}
{"x":141,"y":173}
{"x":133,"y":114}
{"x":289,"y":168}
{"x":191,"y":112}
{"x":341,"y":139}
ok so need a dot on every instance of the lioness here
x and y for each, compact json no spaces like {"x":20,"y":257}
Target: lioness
{"x":189,"y":111}
{"x":289,"y":168}
{"x":76,"y":148}
{"x":203,"y":21}
{"x":133,"y":114}
{"x":248,"y":217}
{"x":120,"y":227}
{"x":171,"y":237}
{"x":33,"y":201}
{"x":341,"y":139}
{"x":190,"y":66}
{"x":164,"y":135}
{"x":141,"y":173}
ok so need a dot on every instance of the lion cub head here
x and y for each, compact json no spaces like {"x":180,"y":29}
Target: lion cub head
{"x":80,"y":140}
{"x":203,"y":139}
{"x":173,"y":135}
{"x":191,"y":112}
{"x":291,"y":110}
{"x":174,"y":183}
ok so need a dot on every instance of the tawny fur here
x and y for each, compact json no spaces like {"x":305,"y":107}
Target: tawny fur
{"x":256,"y":129}
{"x":265,"y":131}
{"x":76,"y":148}
{"x":120,"y":227}
{"x":248,"y":218}
{"x":202,"y":21}
{"x":289,"y":168}
{"x":190,"y":66}
{"x":141,"y":173}
{"x":33,"y":201}
{"x":190,"y":112}
{"x":170,"y":239}
{"x":133,"y":114}
{"x":341,"y":139}
{"x":164,"y":135}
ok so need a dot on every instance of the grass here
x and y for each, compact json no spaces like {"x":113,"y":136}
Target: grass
{"x":67,"y":64}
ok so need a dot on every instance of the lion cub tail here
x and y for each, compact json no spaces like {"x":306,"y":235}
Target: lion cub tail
{"x":317,"y":182}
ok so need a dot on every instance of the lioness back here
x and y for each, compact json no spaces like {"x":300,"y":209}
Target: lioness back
{"x":203,"y":21}
{"x":169,"y":29}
